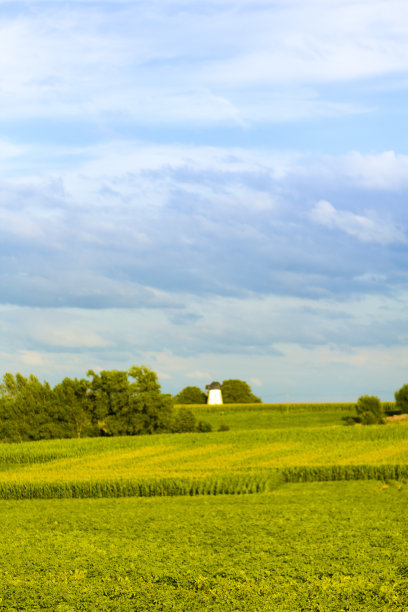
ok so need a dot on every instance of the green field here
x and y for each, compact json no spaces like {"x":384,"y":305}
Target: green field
{"x":274,"y":416}
{"x":315,"y":546}
{"x":145,"y":537}
{"x":234,"y":461}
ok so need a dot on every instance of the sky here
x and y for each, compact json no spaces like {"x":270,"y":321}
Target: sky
{"x":212,"y":189}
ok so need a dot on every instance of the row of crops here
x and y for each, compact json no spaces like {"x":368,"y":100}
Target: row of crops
{"x":227,"y":484}
{"x":231,"y":462}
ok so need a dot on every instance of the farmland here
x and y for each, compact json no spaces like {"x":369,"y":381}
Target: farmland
{"x":144,"y":536}
{"x":314,"y":546}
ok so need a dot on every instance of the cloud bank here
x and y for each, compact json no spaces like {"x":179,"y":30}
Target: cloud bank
{"x":227,"y":203}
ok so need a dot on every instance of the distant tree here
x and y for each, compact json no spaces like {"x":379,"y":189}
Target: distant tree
{"x":146,"y":380}
{"x":25,"y":406}
{"x":110,"y":397}
{"x":191,"y":395}
{"x":401,"y":399}
{"x":156,"y":408}
{"x":73,"y":408}
{"x":370,"y":410}
{"x":111,"y":403}
{"x":238,"y":392}
{"x":130,"y":408}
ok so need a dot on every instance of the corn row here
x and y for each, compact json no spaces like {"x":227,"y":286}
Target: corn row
{"x":228,"y":484}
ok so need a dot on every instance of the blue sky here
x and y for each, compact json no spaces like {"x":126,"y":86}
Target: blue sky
{"x":214,"y":189}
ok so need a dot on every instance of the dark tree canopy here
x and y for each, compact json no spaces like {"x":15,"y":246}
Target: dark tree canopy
{"x":25,"y":405}
{"x":236,"y":391}
{"x":130,"y":408}
{"x":401,"y":399}
{"x":108,"y":403}
{"x":73,"y":408}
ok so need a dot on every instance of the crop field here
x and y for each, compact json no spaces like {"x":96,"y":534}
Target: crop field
{"x":295,"y":511}
{"x":309,"y":546}
{"x":273,"y":416}
{"x":231,"y":461}
{"x":277,"y":416}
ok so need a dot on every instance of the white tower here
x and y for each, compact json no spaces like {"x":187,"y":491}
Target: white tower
{"x":214,"y":393}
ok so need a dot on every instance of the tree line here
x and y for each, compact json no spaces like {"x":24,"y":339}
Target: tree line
{"x":108,"y":403}
{"x":233,"y":391}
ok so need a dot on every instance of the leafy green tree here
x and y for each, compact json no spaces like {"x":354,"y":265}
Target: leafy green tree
{"x":145,"y":380}
{"x":111,"y":403}
{"x":401,"y":399}
{"x":130,"y":408}
{"x":191,"y":395}
{"x":370,"y":410}
{"x":25,"y":408}
{"x":236,"y":391}
{"x":155,"y":408}
{"x":11,"y":428}
{"x":110,"y":396}
{"x":110,"y":392}
{"x":73,"y":408}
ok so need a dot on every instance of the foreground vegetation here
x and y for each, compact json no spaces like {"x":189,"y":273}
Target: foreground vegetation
{"x":165,"y":522}
{"x":317,"y":546}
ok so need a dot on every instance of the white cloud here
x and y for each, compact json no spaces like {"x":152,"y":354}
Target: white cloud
{"x":87,"y":60}
{"x":363,"y":227}
{"x":68,"y":336}
{"x":199,"y":375}
{"x":136,"y":224}
{"x":385,"y":171}
{"x":200,"y":260}
{"x":34,"y":358}
{"x":283,"y":343}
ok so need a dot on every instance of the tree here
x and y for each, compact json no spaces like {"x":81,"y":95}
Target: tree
{"x":191,"y":395}
{"x":130,"y":408}
{"x":370,"y":410}
{"x":74,"y":408}
{"x":110,"y":397}
{"x":25,"y":409}
{"x":155,"y":407}
{"x":111,"y":403}
{"x":236,"y":391}
{"x":146,"y":380}
{"x":401,"y":399}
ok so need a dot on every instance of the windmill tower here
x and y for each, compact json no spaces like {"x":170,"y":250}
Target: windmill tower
{"x":214,"y":393}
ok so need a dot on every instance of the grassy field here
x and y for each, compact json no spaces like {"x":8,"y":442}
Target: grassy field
{"x":144,"y":537}
{"x":314,"y":546}
{"x":273,"y":416}
{"x":278,"y":416}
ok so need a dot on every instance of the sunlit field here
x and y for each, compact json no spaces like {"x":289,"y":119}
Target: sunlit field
{"x":298,"y":511}
{"x":309,"y":546}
